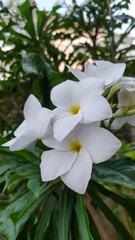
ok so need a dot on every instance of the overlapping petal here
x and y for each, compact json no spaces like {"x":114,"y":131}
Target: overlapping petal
{"x":104,"y":70}
{"x":63,"y":126}
{"x":64,"y":94}
{"x":126,"y":98}
{"x":44,"y":117}
{"x":78,"y":74}
{"x":78,"y":176}
{"x":23,"y":141}
{"x":111,"y":72}
{"x":120,"y":121}
{"x":37,"y":120}
{"x":131,"y":120}
{"x":90,"y":86}
{"x":31,"y":108}
{"x":95,"y":108}
{"x":90,"y":70}
{"x":102,"y":144}
{"x":55,"y":163}
{"x":21,"y":129}
{"x":127,"y":83}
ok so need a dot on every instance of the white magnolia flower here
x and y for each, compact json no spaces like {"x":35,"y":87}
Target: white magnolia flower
{"x":127,"y":83}
{"x":126,"y":105}
{"x":106,"y":71}
{"x":78,"y":102}
{"x":33,"y":127}
{"x":72,"y":159}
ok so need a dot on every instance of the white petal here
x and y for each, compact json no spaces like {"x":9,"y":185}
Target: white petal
{"x":126,"y":98}
{"x":90,"y":70}
{"x":79,"y":175}
{"x":59,"y":113}
{"x":131,"y":119}
{"x":53,"y":143}
{"x":44,"y":117}
{"x":90,"y":86}
{"x":118,"y":123}
{"x":63,"y":126}
{"x":31,"y":108}
{"x":95,"y":108}
{"x":127,"y":83}
{"x":78,"y":74}
{"x":111,"y":72}
{"x":102,"y":144}
{"x":54,"y":163}
{"x":21,"y":129}
{"x":64,"y":94}
{"x":9,"y":143}
{"x":24,"y":140}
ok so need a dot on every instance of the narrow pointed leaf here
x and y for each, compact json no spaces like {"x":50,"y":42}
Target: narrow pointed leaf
{"x":45,"y":218}
{"x":65,"y":215}
{"x":117,"y":171}
{"x":82,"y":219}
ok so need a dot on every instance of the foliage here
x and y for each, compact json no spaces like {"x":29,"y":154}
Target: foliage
{"x":35,"y":61}
{"x":58,"y":41}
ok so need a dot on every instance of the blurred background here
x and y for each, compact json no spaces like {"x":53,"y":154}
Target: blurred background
{"x":38,"y":38}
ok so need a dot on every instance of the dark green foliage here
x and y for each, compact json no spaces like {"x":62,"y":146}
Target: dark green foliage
{"x":31,"y":209}
{"x":35,"y":62}
{"x":37,"y":38}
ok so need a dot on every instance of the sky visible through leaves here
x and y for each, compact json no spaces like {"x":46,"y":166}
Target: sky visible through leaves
{"x":45,"y":4}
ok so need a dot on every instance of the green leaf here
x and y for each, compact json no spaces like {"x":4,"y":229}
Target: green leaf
{"x":20,"y":210}
{"x":93,"y":229}
{"x":34,"y":185}
{"x":27,"y":13}
{"x":117,"y":172}
{"x":45,"y":218}
{"x":7,"y":230}
{"x":82,"y":219}
{"x":65,"y":214}
{"x":33,"y":63}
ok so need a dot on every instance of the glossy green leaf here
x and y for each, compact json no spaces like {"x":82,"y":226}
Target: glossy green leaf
{"x":33,"y":63}
{"x":64,"y":216}
{"x":82,"y":219}
{"x":34,"y":185}
{"x":45,"y":218}
{"x":117,"y":171}
{"x":7,"y":230}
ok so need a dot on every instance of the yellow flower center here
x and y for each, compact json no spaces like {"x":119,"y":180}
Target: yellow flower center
{"x":75,"y":146}
{"x":74,"y":109}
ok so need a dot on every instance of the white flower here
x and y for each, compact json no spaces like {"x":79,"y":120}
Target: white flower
{"x":72,"y":159}
{"x":78,"y":102}
{"x":126,"y":99}
{"x":33,"y":127}
{"x":127,"y":83}
{"x":106,"y":71}
{"x":126,"y":105}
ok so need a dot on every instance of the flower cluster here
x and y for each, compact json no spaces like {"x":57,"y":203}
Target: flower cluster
{"x":73,"y":129}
